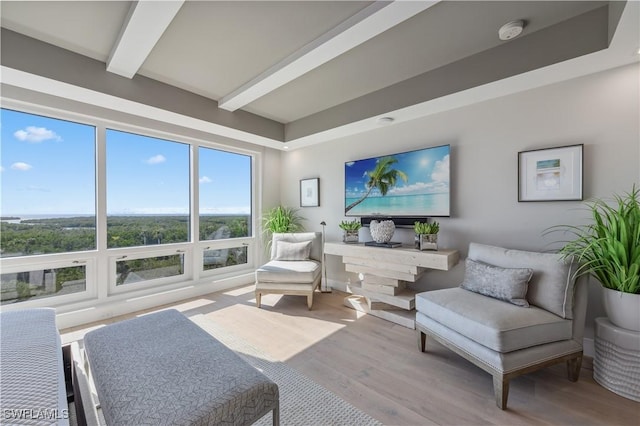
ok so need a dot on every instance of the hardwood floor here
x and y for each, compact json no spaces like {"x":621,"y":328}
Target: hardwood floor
{"x":377,"y":367}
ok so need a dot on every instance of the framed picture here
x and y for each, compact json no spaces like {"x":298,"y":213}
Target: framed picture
{"x":310,"y":192}
{"x":552,"y":174}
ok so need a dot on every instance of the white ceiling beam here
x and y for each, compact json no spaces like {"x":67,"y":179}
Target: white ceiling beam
{"x":364,"y":25}
{"x":143,"y":27}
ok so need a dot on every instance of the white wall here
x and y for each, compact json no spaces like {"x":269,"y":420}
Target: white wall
{"x":600,"y":111}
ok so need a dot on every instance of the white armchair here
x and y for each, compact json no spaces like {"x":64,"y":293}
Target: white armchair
{"x":295,"y":266}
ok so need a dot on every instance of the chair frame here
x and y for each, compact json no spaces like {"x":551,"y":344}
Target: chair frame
{"x":501,"y":379}
{"x":296,"y":289}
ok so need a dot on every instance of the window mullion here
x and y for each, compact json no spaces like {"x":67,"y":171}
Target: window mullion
{"x":196,"y":254}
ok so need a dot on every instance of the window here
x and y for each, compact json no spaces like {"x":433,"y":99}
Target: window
{"x":147,"y":190}
{"x":149,"y":268}
{"x":89,"y":212}
{"x":22,"y":286}
{"x":225,"y":194}
{"x":220,"y":258}
{"x":48,"y":185}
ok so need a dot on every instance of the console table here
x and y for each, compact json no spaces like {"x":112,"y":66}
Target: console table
{"x":385,"y":273}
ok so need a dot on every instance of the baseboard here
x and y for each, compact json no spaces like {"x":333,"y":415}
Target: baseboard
{"x":588,"y":347}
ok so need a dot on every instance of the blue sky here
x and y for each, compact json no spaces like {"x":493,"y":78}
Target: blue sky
{"x":48,"y":167}
{"x":427,"y":171}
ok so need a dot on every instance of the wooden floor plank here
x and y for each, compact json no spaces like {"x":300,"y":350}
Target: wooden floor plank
{"x":376,"y":365}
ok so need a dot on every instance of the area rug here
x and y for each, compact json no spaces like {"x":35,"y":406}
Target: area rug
{"x":302,"y":401}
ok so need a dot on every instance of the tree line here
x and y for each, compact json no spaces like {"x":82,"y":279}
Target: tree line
{"x":60,"y":235}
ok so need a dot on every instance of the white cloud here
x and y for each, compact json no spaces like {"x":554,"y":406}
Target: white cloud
{"x":21,"y":166}
{"x":441,"y":170}
{"x":36,"y":134}
{"x":1,"y":169}
{"x":414,"y":188}
{"x":205,"y":179}
{"x":156,"y":159}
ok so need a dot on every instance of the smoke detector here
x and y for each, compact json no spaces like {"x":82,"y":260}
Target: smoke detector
{"x":510,"y":30}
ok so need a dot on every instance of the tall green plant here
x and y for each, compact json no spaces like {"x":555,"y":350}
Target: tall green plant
{"x":280,"y":219}
{"x":609,"y":248}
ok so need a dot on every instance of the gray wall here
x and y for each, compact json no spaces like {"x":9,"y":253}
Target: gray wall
{"x":600,"y":111}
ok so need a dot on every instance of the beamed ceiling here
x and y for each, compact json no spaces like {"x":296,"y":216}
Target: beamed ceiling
{"x":296,"y":73}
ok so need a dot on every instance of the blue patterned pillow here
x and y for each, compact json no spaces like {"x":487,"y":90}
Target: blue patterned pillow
{"x":508,"y":284}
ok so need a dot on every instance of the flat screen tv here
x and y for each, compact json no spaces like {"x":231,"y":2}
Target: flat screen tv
{"x":409,"y":185}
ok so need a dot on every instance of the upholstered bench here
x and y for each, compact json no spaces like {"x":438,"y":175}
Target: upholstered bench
{"x":32,"y":375}
{"x":162,"y":369}
{"x":515,"y":312}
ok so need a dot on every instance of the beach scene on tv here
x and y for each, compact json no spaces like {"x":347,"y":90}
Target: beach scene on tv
{"x":414,"y":183}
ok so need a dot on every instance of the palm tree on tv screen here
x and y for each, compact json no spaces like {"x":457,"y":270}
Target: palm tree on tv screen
{"x":382,"y":177}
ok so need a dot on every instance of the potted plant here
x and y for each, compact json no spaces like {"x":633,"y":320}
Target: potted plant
{"x":609,"y":250}
{"x":280,"y":219}
{"x":426,"y":235}
{"x":350,"y":230}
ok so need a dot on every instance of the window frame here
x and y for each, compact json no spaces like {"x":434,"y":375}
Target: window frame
{"x":101,"y":262}
{"x":40,"y":264}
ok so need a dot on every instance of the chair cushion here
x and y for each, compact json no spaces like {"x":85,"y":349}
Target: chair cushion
{"x":292,"y":251}
{"x":550,"y":287}
{"x":493,"y":323}
{"x":507,"y":284}
{"x":296,"y":237}
{"x":283,"y":271}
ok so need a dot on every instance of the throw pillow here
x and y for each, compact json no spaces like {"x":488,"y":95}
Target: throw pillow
{"x":293,"y":251}
{"x":507,"y":284}
{"x":551,"y":287}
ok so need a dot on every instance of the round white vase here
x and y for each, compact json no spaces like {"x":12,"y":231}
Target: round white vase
{"x":382,"y":231}
{"x":623,"y":309}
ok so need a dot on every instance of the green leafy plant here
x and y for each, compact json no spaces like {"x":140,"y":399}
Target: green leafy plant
{"x":422,"y":228}
{"x":280,"y":219}
{"x":353,"y":225}
{"x":609,"y":248}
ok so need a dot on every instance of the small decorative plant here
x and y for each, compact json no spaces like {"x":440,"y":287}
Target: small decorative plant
{"x":609,"y":248}
{"x":426,"y":235}
{"x":353,"y":225}
{"x":425,"y":228}
{"x":350,"y":228}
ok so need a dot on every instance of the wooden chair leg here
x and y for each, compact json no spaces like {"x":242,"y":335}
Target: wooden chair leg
{"x":310,"y":300}
{"x":258,"y":298}
{"x":422,"y":340}
{"x":573,"y":368}
{"x":501,"y":391}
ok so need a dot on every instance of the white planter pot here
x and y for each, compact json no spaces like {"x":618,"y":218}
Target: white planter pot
{"x":623,"y":309}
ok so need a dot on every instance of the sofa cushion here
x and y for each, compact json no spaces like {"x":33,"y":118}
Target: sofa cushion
{"x":292,"y":251}
{"x":550,"y":287}
{"x":493,"y":323}
{"x":508,"y":284}
{"x":282,"y":271}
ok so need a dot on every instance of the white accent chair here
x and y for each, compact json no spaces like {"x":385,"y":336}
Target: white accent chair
{"x":502,"y":338}
{"x":295,"y":266}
